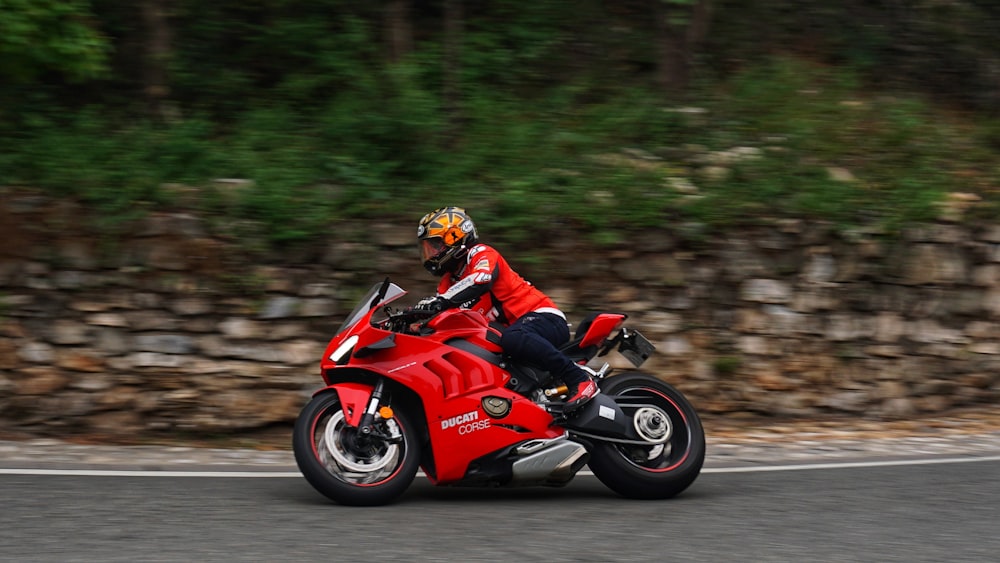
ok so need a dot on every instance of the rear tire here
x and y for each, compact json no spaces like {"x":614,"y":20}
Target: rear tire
{"x":349,"y":468}
{"x":657,"y":471}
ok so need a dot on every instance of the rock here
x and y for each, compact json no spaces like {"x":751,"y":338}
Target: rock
{"x":301,"y":352}
{"x":821,"y":268}
{"x":934,"y":264}
{"x":145,"y":320}
{"x":765,"y":291}
{"x":241,"y":328}
{"x":7,"y":386}
{"x":318,"y":308}
{"x":838,"y":174}
{"x":8,"y":302}
{"x":72,"y":280}
{"x":991,"y":348}
{"x":851,"y":402}
{"x":37,"y":353}
{"x":930,"y":331}
{"x":80,"y":361}
{"x":65,"y":331}
{"x":273,"y":279}
{"x":771,"y":381}
{"x":292,"y":330}
{"x":115,"y":423}
{"x":92,"y":382}
{"x":165,"y":343}
{"x":986,"y":276}
{"x":167,"y":257}
{"x":318,"y":290}
{"x":77,"y":254}
{"x":191,"y":306}
{"x":40,"y":381}
{"x":107,"y":319}
{"x":889,"y":327}
{"x":282,"y":307}
{"x":715,"y":173}
{"x":248,"y":409}
{"x":182,"y":225}
{"x":982,"y":329}
{"x":9,"y":357}
{"x":218,"y":348}
{"x":898,"y":407}
{"x":157,"y":360}
{"x":843,"y":327}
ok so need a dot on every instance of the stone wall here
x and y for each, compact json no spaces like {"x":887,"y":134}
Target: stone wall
{"x":171,"y":327}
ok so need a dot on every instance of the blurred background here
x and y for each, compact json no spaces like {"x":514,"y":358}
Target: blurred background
{"x":197,"y":188}
{"x":520,"y":110}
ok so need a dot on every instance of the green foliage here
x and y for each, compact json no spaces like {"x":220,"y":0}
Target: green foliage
{"x":812,"y":123}
{"x":726,"y":365}
{"x":38,"y":36}
{"x":556,"y":124}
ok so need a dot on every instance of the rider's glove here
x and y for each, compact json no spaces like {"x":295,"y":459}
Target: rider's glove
{"x":430,"y":305}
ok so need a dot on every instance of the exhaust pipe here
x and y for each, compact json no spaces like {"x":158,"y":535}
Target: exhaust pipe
{"x":551,"y":463}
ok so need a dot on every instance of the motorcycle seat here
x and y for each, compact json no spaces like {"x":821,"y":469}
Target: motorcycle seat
{"x":572,"y":347}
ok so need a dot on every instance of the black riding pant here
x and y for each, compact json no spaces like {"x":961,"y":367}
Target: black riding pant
{"x":534,"y":339}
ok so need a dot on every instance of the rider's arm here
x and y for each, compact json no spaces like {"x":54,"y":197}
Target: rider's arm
{"x":483,"y":268}
{"x":469,"y":288}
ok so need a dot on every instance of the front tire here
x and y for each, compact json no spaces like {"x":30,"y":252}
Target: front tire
{"x":347,"y":467}
{"x":659,"y":470}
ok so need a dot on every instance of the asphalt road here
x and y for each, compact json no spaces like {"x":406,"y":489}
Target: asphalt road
{"x":927,"y":512}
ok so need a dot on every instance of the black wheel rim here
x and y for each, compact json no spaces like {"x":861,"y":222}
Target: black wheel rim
{"x":671,"y":454}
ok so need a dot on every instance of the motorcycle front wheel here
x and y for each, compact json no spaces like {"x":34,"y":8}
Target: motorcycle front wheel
{"x":348,"y":467}
{"x":672,"y":459}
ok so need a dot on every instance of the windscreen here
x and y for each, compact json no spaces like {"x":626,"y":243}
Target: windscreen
{"x":382,"y":292}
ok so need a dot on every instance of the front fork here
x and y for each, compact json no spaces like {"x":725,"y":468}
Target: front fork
{"x":365,"y":425}
{"x":368,"y":421}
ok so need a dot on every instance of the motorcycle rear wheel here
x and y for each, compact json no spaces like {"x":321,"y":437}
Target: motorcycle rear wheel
{"x":347,"y":467}
{"x":656,"y":471}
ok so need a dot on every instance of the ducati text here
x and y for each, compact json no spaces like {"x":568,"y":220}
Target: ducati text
{"x":466,"y":423}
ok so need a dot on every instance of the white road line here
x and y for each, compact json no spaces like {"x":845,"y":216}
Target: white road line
{"x":145,"y":473}
{"x":295,"y":474}
{"x":847,"y":464}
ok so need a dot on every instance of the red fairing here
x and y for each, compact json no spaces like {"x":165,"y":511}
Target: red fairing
{"x":354,"y":397}
{"x":452,"y":384}
{"x":600,"y":328}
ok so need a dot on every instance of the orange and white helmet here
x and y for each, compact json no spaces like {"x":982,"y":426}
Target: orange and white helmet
{"x":445,"y":236}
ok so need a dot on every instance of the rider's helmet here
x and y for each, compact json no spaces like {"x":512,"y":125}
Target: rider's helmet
{"x":445,"y":236}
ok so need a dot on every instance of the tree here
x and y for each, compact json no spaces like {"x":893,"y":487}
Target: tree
{"x":452,"y":63}
{"x":398,"y":29}
{"x":681,"y":26}
{"x":42,"y":36}
{"x":157,"y":50}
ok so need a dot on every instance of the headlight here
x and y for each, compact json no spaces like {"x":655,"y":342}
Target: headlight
{"x":344,"y":349}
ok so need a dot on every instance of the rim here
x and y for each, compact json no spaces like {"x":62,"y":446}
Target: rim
{"x":661,"y":421}
{"x":351,"y":457}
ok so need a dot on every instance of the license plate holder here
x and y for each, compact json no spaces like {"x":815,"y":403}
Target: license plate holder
{"x":635,"y":347}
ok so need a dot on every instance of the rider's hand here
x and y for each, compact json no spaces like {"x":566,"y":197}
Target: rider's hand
{"x":430,"y":305}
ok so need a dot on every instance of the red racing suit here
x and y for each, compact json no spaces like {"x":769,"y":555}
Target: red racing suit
{"x":486,"y":283}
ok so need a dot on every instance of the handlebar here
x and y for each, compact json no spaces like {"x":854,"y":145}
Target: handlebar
{"x":402,"y":320}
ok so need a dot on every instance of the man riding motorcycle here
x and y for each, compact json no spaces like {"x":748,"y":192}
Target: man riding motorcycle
{"x":476,"y":276}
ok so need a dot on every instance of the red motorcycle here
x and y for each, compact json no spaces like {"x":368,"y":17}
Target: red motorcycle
{"x":408,"y":388}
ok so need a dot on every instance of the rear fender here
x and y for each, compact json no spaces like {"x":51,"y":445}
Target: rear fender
{"x":600,"y":328}
{"x":354,"y":397}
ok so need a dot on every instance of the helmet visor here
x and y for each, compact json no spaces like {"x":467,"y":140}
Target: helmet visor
{"x":431,"y":248}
